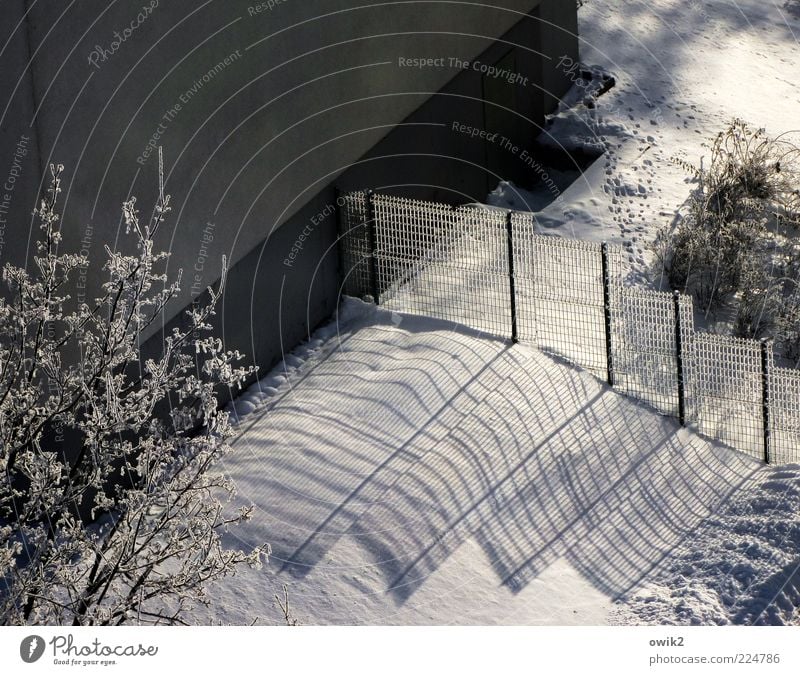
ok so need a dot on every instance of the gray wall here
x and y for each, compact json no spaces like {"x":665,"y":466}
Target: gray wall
{"x":19,"y":157}
{"x":311,"y":95}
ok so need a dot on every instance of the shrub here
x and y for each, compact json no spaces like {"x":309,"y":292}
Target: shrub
{"x":759,"y":300}
{"x":736,"y":243}
{"x":128,"y":529}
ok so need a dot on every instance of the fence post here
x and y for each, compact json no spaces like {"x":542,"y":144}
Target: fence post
{"x":372,"y":238}
{"x":676,"y":296}
{"x":607,"y":313}
{"x":766,"y":348}
{"x":513,"y":290}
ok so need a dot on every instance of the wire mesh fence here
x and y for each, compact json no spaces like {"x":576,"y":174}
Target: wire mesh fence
{"x":354,"y":247}
{"x":784,"y":408}
{"x":490,"y":270}
{"x":726,"y":391}
{"x":645,"y":357}
{"x":560,"y":294}
{"x":447,"y":263}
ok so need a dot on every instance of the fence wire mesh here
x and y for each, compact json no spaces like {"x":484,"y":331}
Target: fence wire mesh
{"x":726,"y":390}
{"x":559,"y":285}
{"x":455,"y":264}
{"x":451,"y":264}
{"x":645,"y":345}
{"x":784,"y":400}
{"x":354,"y":249}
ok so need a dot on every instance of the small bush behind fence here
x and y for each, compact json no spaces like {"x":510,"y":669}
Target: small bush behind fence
{"x":490,"y":270}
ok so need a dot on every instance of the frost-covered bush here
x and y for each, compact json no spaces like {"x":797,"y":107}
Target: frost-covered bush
{"x":110,"y":509}
{"x":735,"y":247}
{"x":751,"y":176}
{"x":707,"y":260}
{"x":759,"y":299}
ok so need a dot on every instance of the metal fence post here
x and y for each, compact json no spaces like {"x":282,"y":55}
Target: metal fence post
{"x":766,"y":348}
{"x":372,"y":237}
{"x":676,"y":296}
{"x":512,"y":287}
{"x":607,"y":313}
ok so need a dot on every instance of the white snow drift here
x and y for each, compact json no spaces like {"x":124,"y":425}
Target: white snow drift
{"x":410,"y":471}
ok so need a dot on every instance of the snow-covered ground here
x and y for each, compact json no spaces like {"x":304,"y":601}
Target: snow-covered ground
{"x":741,"y":566}
{"x":683,"y":69}
{"x":409,"y":471}
{"x":406,"y":470}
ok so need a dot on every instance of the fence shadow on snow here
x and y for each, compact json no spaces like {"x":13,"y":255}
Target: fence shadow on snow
{"x":410,"y":455}
{"x":490,"y":270}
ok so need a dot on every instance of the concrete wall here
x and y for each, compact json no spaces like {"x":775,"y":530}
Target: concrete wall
{"x":260,"y":109}
{"x":19,"y":157}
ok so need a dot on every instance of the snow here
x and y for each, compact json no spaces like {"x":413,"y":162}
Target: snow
{"x":407,"y":470}
{"x":683,"y":71}
{"x":411,"y":471}
{"x":740,"y":567}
